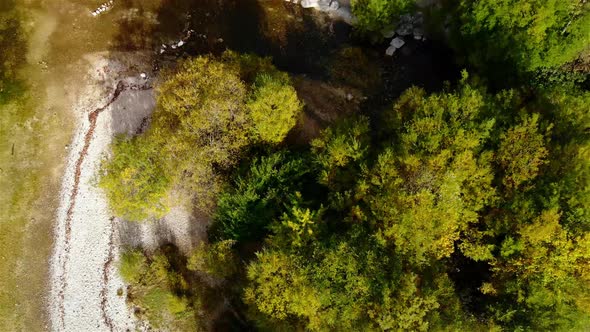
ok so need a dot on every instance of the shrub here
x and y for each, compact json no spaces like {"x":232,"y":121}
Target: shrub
{"x":135,"y":180}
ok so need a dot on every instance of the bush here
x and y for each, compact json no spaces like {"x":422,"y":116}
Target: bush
{"x":132,"y":266}
{"x":216,"y":259}
{"x":135,"y":180}
{"x":159,"y":289}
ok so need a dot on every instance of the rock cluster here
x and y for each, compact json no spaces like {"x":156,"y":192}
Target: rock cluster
{"x":177,"y":44}
{"x":103,"y":8}
{"x":407,"y":26}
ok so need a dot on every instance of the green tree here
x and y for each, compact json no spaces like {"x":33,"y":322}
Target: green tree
{"x":530,"y":34}
{"x":274,"y":107}
{"x":374,"y":15}
{"x":203,"y":121}
{"x":340,"y":151}
{"x":522,"y":152}
{"x":425,"y":191}
{"x":256,"y":198}
{"x":201,"y":124}
{"x":545,"y":275}
{"x":534,"y":237}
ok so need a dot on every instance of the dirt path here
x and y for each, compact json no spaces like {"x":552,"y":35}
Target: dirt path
{"x":84,"y":282}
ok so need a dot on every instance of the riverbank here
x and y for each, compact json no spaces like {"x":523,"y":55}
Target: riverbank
{"x":86,"y":290}
{"x":36,"y":128}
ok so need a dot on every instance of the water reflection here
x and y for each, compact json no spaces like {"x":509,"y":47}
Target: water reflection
{"x":299,"y":40}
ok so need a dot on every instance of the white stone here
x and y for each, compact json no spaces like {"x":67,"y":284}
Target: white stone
{"x":180,"y":43}
{"x":334,"y":5}
{"x":397,"y":42}
{"x":143,"y":75}
{"x":390,"y":50}
{"x":310,"y":4}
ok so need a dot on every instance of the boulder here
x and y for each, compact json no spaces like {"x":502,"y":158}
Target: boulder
{"x":397,"y":42}
{"x":390,"y":50}
{"x":404,"y":29}
{"x":405,"y":18}
{"x":324,"y":5}
{"x":334,"y":5}
{"x":310,"y":4}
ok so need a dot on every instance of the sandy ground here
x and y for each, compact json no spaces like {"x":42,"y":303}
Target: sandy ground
{"x":84,"y":280}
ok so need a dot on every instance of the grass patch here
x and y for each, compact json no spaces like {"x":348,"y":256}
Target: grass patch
{"x":31,"y":156}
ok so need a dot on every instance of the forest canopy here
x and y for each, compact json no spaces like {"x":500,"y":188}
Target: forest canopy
{"x":512,"y":37}
{"x":380,"y":232}
{"x":465,"y":208}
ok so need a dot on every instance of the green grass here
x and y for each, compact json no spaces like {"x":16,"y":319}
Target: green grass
{"x":28,"y":163}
